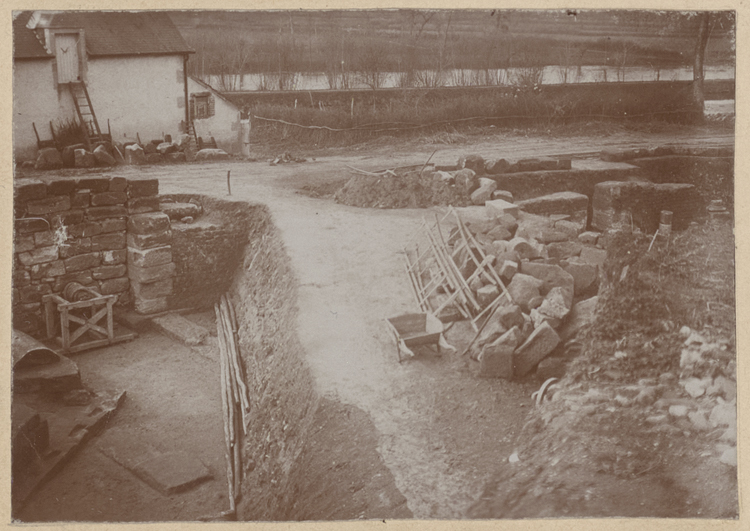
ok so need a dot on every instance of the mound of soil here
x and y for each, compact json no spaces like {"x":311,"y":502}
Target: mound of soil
{"x":407,"y":190}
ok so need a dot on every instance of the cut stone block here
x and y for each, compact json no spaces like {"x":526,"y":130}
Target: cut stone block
{"x":145,"y":275}
{"x":181,"y":329}
{"x":523,"y":248}
{"x":40,"y":255}
{"x":149,"y":306}
{"x":30,"y":190}
{"x":148,"y":223}
{"x":109,"y":242}
{"x":93,"y":184}
{"x":589,"y":237}
{"x":540,"y":343}
{"x":497,"y":362}
{"x":561,"y":250}
{"x":569,"y":203}
{"x":551,"y":276}
{"x":48,"y":205}
{"x":523,"y":288}
{"x":584,"y":275}
{"x":152,"y":290}
{"x":143,"y":187}
{"x":503,"y":194}
{"x":104,"y":212}
{"x":177,"y":211}
{"x":140,"y":205}
{"x":508,"y":270}
{"x":108,"y":198}
{"x":150,"y":257}
{"x":496,"y":167}
{"x":498,"y":207}
{"x":82,"y":261}
{"x":172,"y":473}
{"x":51,"y":377}
{"x":149,"y":241}
{"x":487,"y":294}
{"x":581,"y":314}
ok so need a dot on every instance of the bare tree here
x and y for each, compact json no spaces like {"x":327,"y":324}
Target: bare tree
{"x":700,"y":53}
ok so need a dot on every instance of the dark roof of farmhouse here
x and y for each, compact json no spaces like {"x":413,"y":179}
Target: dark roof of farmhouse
{"x":106,"y":33}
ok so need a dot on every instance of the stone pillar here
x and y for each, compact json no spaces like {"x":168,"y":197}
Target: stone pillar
{"x":150,"y":266}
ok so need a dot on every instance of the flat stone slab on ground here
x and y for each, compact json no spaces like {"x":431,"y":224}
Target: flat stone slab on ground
{"x":181,"y":329}
{"x":166,"y":472}
{"x":172,"y":472}
{"x":571,"y":203}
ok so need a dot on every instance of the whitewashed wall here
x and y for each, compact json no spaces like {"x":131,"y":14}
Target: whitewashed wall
{"x":223,"y":125}
{"x":144,"y":95}
{"x":36,"y":100}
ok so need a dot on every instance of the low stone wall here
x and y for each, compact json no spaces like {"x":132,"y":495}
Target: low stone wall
{"x":73,"y":230}
{"x":713,"y":177}
{"x":527,"y":185}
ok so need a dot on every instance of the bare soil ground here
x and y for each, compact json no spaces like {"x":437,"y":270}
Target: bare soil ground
{"x":437,"y":429}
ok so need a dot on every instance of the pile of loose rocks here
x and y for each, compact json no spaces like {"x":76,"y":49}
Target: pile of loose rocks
{"x":106,"y":154}
{"x":550,"y":267}
{"x":701,"y":399}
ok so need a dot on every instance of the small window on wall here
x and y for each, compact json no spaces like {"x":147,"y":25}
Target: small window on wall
{"x":201,"y":105}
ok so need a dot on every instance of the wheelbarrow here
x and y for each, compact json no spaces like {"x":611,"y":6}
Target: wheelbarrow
{"x":417,"y":329}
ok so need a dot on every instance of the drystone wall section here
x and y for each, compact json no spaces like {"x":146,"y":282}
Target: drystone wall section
{"x":207,"y":252}
{"x":86,"y":231}
{"x":68,"y":231}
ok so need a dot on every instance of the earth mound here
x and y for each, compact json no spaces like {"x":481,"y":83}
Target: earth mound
{"x":412,"y":189}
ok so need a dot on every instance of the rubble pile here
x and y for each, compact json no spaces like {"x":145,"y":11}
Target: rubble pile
{"x":412,"y":189}
{"x":527,"y":281}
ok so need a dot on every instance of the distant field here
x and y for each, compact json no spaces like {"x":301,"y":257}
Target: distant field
{"x":342,"y":42}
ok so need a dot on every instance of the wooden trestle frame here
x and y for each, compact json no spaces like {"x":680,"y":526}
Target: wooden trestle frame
{"x":93,"y":316}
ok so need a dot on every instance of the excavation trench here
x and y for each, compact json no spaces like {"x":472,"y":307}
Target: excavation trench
{"x":304,"y":457}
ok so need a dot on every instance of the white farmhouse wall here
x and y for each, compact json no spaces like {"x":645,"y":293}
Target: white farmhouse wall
{"x":224,"y":125}
{"x":36,"y":100}
{"x":144,"y":95}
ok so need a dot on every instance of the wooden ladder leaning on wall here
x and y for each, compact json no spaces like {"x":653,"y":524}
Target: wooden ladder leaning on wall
{"x":85,"y":112}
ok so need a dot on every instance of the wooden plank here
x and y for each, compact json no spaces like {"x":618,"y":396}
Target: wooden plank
{"x":110,"y":320}
{"x":86,"y":304}
{"x":64,"y":326}
{"x":50,"y":312}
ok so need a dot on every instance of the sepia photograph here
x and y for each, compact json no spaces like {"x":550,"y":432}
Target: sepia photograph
{"x":327,"y":265}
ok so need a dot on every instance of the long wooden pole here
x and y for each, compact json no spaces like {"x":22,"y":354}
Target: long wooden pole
{"x":234,"y":369}
{"x":225,"y":410}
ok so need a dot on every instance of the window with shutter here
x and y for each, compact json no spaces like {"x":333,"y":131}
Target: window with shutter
{"x":202,"y":105}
